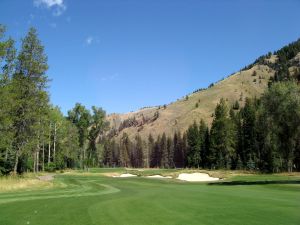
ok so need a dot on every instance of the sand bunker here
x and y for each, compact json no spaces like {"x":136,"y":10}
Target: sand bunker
{"x":126,"y":175}
{"x":158,"y":176}
{"x":193,"y":177}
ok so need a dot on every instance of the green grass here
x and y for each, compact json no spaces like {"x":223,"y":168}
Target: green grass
{"x":92,"y":198}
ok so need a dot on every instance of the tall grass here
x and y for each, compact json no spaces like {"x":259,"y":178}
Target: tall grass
{"x":26,"y":181}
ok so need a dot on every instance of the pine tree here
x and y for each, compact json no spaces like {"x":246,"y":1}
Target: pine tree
{"x":139,"y":154}
{"x":150,"y":150}
{"x":248,"y":116}
{"x":184,"y":147}
{"x":194,"y":146}
{"x":7,"y":59}
{"x":164,"y":152}
{"x":205,"y":150}
{"x":202,"y":137}
{"x":178,"y":151}
{"x":29,"y":83}
{"x":222,"y":147}
{"x":125,"y":150}
{"x":170,"y":149}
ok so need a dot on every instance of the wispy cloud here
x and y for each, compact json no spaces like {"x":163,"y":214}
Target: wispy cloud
{"x":58,"y":6}
{"x":91,"y":40}
{"x":31,"y":18}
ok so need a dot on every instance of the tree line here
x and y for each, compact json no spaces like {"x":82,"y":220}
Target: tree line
{"x":35,"y":135}
{"x":263,"y":134}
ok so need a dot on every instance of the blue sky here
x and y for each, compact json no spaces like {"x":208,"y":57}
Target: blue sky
{"x":126,"y":54}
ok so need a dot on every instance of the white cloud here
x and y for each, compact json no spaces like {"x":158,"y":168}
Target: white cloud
{"x":49,"y":3}
{"x":92,"y":40}
{"x":89,"y":40}
{"x":58,"y":6}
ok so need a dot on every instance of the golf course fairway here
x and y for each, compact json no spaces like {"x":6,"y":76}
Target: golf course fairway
{"x":95,"y":198}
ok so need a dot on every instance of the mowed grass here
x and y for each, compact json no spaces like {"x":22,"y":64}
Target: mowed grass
{"x":95,"y":198}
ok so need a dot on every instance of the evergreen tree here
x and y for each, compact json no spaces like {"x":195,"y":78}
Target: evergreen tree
{"x":248,"y":116}
{"x":7,"y":59}
{"x":184,"y":147}
{"x":150,"y":150}
{"x":164,"y":152}
{"x":156,"y":155}
{"x":139,"y":154}
{"x":203,"y":145}
{"x":29,"y":83}
{"x":222,"y":147}
{"x":170,"y":149}
{"x":194,"y":146}
{"x":178,"y":151}
{"x":125,"y":150}
{"x":205,"y":150}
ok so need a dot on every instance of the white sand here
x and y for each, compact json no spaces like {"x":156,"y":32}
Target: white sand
{"x":192,"y":177}
{"x":158,"y":176}
{"x":126,"y":175}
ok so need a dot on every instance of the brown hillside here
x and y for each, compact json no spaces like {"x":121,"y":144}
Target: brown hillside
{"x":179,"y":115}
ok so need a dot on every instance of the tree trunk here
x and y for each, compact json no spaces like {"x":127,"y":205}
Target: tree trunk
{"x":43,"y":149}
{"x":16,"y":163}
{"x":37,"y":161}
{"x":6,"y":154}
{"x":83,"y":158}
{"x":49,"y":145}
{"x":54,"y":141}
{"x":34,"y":162}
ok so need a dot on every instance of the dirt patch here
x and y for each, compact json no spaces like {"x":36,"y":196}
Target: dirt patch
{"x":46,"y":177}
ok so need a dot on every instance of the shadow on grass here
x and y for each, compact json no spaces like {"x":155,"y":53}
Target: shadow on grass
{"x":260,"y":182}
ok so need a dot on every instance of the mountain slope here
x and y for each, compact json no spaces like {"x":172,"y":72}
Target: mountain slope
{"x":177,"y":116}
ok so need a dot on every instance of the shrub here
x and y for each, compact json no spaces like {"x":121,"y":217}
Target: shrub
{"x":51,"y":167}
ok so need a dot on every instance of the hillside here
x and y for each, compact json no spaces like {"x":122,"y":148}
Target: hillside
{"x":177,"y":116}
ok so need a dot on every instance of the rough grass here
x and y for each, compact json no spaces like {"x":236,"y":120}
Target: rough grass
{"x":93,"y":198}
{"x":14,"y":183}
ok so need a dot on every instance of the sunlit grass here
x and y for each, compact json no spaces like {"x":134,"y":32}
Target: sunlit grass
{"x":26,"y":181}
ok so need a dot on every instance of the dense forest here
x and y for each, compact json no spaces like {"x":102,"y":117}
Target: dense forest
{"x":263,"y":135}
